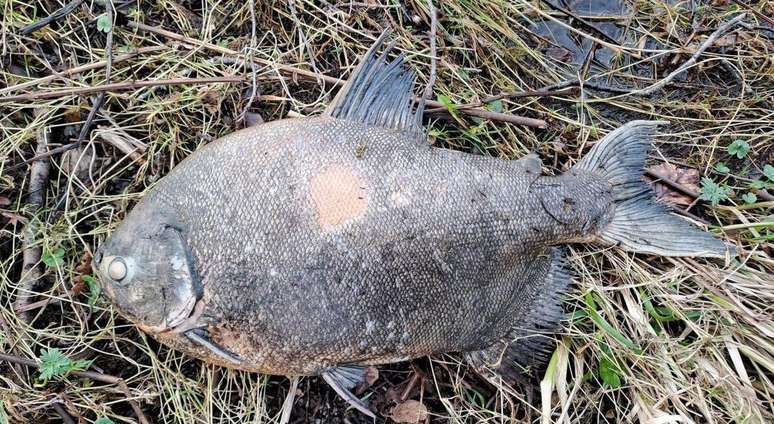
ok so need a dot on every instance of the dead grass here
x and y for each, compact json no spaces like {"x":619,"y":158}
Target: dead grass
{"x":649,"y":339}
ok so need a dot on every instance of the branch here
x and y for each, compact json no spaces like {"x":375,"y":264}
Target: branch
{"x":117,"y":86}
{"x":692,"y":61}
{"x":433,"y":56}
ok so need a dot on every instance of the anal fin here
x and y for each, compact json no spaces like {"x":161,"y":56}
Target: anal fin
{"x":528,"y":347}
{"x":342,"y":379}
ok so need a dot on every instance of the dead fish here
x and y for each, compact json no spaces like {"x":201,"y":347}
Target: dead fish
{"x":323,"y":245}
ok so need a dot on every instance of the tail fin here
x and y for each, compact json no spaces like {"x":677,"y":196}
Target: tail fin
{"x":640,"y":224}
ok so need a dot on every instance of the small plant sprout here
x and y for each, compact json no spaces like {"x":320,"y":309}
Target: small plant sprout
{"x":739,"y":148}
{"x":53,"y":257}
{"x":713,"y":192}
{"x":768,"y":171}
{"x":749,"y":198}
{"x":721,"y":168}
{"x":104,"y":24}
{"x":54,"y":364}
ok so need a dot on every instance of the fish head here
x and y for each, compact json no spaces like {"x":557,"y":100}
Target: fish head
{"x":147,"y":270}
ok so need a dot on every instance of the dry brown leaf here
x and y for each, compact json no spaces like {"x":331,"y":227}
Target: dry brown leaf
{"x":686,"y":177}
{"x":410,"y":411}
{"x":13,"y":218}
{"x":4,"y":201}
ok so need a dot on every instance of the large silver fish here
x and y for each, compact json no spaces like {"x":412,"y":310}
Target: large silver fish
{"x":318,"y":246}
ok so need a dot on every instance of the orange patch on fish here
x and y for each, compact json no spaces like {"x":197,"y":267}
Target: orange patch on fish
{"x":338,"y":194}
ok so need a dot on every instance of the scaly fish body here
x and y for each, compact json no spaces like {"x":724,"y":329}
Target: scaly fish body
{"x":322,"y":241}
{"x":319,"y":245}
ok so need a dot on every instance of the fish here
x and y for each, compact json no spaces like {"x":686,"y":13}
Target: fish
{"x":323,"y":245}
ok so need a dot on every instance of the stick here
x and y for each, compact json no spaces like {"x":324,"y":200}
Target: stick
{"x":510,"y":95}
{"x":117,"y":86}
{"x":66,"y":418}
{"x":253,"y":72}
{"x":433,"y":56}
{"x":692,"y":61}
{"x":519,"y":120}
{"x":36,"y":196}
{"x":82,"y":68}
{"x":58,"y":15}
{"x":754,"y":11}
{"x":103,"y":378}
{"x":583,"y":21}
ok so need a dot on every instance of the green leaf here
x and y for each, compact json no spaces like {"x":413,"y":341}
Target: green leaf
{"x":609,"y":373}
{"x":104,"y":420}
{"x":739,"y":148}
{"x":495,"y":106}
{"x":447,"y":103}
{"x":749,"y":198}
{"x":53,"y":363}
{"x":768,"y":171}
{"x":94,"y":289}
{"x":604,"y":325}
{"x":53,"y":258}
{"x":722,"y":168}
{"x":713,"y":192}
{"x":104,"y":23}
{"x":757,"y":184}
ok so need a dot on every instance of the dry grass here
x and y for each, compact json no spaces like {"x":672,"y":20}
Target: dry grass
{"x":689,"y":340}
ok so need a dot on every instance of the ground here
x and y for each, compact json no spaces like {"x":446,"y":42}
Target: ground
{"x":647,"y":339}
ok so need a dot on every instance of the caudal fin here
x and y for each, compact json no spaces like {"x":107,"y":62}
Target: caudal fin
{"x":640,"y":224}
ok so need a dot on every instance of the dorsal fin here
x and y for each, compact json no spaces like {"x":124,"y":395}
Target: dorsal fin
{"x":379,"y":93}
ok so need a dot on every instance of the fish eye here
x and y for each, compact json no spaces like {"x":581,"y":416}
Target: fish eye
{"x":117,"y":269}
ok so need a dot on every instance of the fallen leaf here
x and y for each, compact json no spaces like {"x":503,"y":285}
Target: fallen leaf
{"x":4,"y":201}
{"x":686,"y":177}
{"x":410,"y":411}
{"x":14,"y":218}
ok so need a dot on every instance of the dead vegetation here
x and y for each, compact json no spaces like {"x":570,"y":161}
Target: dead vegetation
{"x":647,"y":339}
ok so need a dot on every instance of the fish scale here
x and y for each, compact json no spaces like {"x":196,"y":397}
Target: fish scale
{"x":318,"y":246}
{"x":468,"y":233}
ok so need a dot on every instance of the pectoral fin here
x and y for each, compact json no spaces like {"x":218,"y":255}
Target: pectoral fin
{"x":342,"y":379}
{"x":199,"y":336}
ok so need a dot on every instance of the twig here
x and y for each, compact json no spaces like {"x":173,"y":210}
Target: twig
{"x":302,"y":36}
{"x":519,"y":120}
{"x":586,"y":84}
{"x":31,"y":252}
{"x":44,"y":155}
{"x":96,"y":376}
{"x":433,"y":56}
{"x":690,"y":62}
{"x":253,"y":71}
{"x":509,"y":95}
{"x":58,"y":15}
{"x":66,"y":418}
{"x":82,"y":68}
{"x":754,"y":11}
{"x":671,"y":183}
{"x":116,"y":86}
{"x":100,"y":99}
{"x":582,"y":21}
